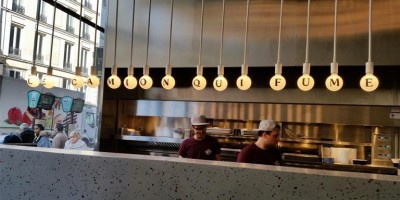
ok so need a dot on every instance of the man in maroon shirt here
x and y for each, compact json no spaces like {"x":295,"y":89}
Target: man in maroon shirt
{"x":200,"y":145}
{"x":264,"y":150}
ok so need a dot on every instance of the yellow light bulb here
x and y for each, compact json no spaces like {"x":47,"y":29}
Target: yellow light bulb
{"x":93,"y":81}
{"x":48,"y":81}
{"x":199,"y":82}
{"x":334,"y":82}
{"x":130,"y":82}
{"x":77,"y":81}
{"x":168,"y":82}
{"x":114,"y":81}
{"x":220,"y":83}
{"x":33,"y":81}
{"x":243,"y":82}
{"x":146,"y":82}
{"x":277,"y":82}
{"x":305,"y":82}
{"x":369,"y":82}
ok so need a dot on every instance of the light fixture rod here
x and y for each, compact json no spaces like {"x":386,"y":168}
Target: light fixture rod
{"x":308,"y":29}
{"x":95,"y":36}
{"x":133,"y":29}
{"x":221,"y":51}
{"x":52,"y":34}
{"x":334,"y":32}
{"x":201,"y":31}
{"x":278,"y":60}
{"x":170,"y":32}
{"x":148,"y":34}
{"x":370,"y":31}
{"x":246,"y":33}
{"x":38,"y":7}
{"x":116,"y":34}
{"x":79,"y":36}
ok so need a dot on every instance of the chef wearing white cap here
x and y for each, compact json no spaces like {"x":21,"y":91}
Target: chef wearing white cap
{"x":200,"y":145}
{"x":264,"y":150}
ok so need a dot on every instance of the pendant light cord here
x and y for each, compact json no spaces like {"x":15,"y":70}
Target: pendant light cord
{"x":116,"y":34}
{"x":79,"y":35}
{"x":52,"y":34}
{"x":278,"y":60}
{"x":148,"y":34}
{"x":246,"y":33}
{"x":170,"y":32}
{"x":133,"y":28}
{"x":222,"y":32}
{"x":95,"y":35}
{"x":370,"y":31}
{"x":36,"y":33}
{"x":201,"y":31}
{"x":334,"y":33}
{"x":308,"y":29}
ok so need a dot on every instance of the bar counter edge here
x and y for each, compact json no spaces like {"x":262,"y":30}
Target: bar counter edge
{"x":41,"y":173}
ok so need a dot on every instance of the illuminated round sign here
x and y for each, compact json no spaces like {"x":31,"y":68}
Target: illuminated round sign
{"x":220,"y":83}
{"x":199,"y":82}
{"x":113,"y":81}
{"x":33,"y":81}
{"x":130,"y":82}
{"x":93,"y":81}
{"x":334,"y":82}
{"x":145,"y":82}
{"x":305,"y":82}
{"x":77,"y":81}
{"x":277,"y":82}
{"x":168,"y":82}
{"x":243,"y":82}
{"x":369,"y":82}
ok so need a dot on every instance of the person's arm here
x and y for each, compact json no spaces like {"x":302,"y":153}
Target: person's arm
{"x":182,"y":151}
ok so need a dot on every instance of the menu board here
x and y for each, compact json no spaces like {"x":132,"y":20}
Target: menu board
{"x":46,"y":101}
{"x":33,"y":98}
{"x":77,"y":105}
{"x":66,"y":103}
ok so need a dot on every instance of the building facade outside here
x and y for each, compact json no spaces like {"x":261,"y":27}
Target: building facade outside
{"x":17,"y":37}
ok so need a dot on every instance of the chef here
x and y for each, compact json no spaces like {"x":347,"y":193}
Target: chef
{"x":264,"y":150}
{"x":200,"y":145}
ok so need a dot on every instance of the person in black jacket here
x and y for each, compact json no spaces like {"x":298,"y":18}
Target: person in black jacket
{"x":27,"y":135}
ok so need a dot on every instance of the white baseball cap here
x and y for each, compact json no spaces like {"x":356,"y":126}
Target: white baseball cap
{"x":198,"y":120}
{"x":266,"y":125}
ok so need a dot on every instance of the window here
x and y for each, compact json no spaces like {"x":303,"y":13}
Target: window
{"x":15,"y":36}
{"x":67,"y":56}
{"x":85,"y":31}
{"x":70,"y":25}
{"x":66,"y":83}
{"x":87,"y":4}
{"x":39,"y":55}
{"x":84,"y":55}
{"x":43,"y":16}
{"x":17,"y":6}
{"x":14,"y":74}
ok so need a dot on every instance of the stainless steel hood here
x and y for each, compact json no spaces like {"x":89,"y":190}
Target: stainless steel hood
{"x":327,"y":114}
{"x":352,"y":40}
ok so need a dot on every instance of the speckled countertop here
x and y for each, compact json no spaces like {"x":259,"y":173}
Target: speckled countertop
{"x":36,"y":173}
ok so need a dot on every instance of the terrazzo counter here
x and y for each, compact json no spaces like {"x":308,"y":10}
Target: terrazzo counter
{"x":37,"y":173}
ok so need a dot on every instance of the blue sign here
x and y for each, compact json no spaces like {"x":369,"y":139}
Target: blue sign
{"x":66,"y":103}
{"x":33,"y":98}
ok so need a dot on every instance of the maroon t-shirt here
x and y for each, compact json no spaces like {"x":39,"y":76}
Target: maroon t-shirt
{"x":253,"y":154}
{"x":205,"y":149}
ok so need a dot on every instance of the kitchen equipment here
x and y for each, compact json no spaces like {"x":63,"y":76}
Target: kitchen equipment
{"x":341,"y":155}
{"x":359,"y":162}
{"x":395,"y":162}
{"x":328,"y":160}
